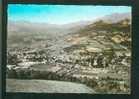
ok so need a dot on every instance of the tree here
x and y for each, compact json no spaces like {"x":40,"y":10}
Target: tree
{"x":12,"y":59}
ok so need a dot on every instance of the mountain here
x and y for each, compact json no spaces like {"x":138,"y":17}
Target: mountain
{"x":47,"y":28}
{"x":101,"y":35}
{"x":115,"y":17}
{"x":33,"y":33}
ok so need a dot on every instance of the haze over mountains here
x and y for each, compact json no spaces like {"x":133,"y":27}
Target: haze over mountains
{"x":29,"y":27}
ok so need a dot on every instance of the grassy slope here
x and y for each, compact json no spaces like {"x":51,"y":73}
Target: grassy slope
{"x":45,"y":86}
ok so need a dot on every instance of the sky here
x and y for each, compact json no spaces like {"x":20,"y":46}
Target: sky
{"x":61,"y":14}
